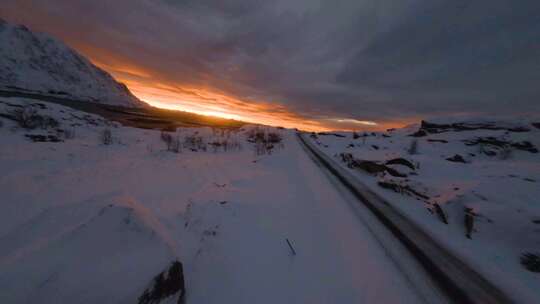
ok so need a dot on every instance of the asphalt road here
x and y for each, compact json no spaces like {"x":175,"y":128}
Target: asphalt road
{"x":453,"y":279}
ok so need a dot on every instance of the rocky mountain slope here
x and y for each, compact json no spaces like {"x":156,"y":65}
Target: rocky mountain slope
{"x":38,"y":63}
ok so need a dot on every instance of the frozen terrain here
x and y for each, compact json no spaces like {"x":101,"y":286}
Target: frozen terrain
{"x":92,"y":218}
{"x":474,"y":185}
{"x":37,"y":63}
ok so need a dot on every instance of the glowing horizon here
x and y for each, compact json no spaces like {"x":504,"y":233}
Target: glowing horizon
{"x":146,"y":86}
{"x":232,"y":61}
{"x":172,"y":101}
{"x":287,"y":120}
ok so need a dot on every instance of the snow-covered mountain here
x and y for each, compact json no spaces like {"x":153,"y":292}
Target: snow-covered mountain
{"x":41,"y":64}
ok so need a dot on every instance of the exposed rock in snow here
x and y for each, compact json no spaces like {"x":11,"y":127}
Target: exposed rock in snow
{"x":166,"y":284}
{"x":400,"y":161}
{"x":38,"y":63}
{"x":456,"y":159}
{"x":441,"y":125}
{"x":67,"y":253}
{"x":486,"y":211}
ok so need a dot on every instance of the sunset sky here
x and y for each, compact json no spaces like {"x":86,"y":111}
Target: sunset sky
{"x":313,"y":64}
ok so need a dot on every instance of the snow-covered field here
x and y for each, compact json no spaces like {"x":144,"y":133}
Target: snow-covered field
{"x":482,"y":177}
{"x":88,"y":218}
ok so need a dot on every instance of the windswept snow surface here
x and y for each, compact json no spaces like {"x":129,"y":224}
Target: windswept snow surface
{"x":497,"y":184}
{"x":84,"y":222}
{"x":38,"y":63}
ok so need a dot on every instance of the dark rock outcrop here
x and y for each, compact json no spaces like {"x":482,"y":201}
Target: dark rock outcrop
{"x":43,"y":138}
{"x":419,"y":133}
{"x":400,"y":161}
{"x":427,"y":128}
{"x":457,"y":159}
{"x":469,"y":222}
{"x":443,"y":141}
{"x":406,"y":189}
{"x":500,"y":143}
{"x":169,"y":282}
{"x":531,"y":261}
{"x":368,"y":166}
{"x":440,"y":213}
{"x":433,"y":128}
{"x":331,"y":134}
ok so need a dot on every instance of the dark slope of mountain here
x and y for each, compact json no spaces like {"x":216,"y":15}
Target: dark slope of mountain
{"x":41,"y":64}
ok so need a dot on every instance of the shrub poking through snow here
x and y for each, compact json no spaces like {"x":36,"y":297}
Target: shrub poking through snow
{"x":168,"y":283}
{"x":413,"y":148}
{"x":69,"y":133}
{"x":469,"y":222}
{"x":49,"y":122}
{"x":506,"y":153}
{"x":265,"y":142}
{"x":293,"y":252}
{"x":194,"y":143}
{"x":106,"y":136}
{"x":167,"y":139}
{"x":175,"y":145}
{"x":28,"y":118}
{"x":440,"y":213}
{"x":226,"y":145}
{"x":274,"y":138}
{"x":531,"y":261}
{"x":364,"y":137}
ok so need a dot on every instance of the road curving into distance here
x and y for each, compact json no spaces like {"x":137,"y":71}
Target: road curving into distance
{"x":455,"y":279}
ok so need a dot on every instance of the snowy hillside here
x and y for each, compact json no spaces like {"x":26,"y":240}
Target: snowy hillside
{"x":38,"y":63}
{"x":474,"y":185}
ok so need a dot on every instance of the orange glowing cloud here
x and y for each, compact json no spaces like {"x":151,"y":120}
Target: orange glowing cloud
{"x":207,"y":102}
{"x":163,"y":93}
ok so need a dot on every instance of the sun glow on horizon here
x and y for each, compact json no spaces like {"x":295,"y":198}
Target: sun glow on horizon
{"x":206,"y":101}
{"x":169,"y":106}
{"x":209,"y":103}
{"x":217,"y":105}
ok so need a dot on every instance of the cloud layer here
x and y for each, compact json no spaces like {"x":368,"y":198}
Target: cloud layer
{"x":327,"y":63}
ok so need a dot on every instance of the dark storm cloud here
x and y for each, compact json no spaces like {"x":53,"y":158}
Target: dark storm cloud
{"x":362,"y":59}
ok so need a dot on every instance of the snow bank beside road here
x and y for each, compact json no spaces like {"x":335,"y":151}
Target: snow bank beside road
{"x":479,"y":177}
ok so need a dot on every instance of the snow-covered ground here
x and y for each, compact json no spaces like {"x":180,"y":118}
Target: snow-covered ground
{"x":38,"y":63}
{"x":86,"y":222}
{"x":480,"y":176}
